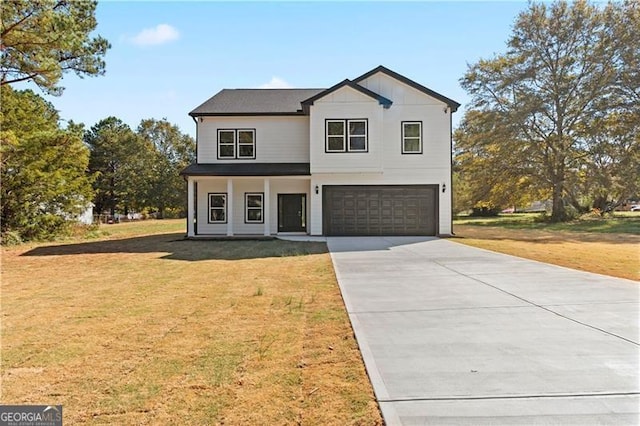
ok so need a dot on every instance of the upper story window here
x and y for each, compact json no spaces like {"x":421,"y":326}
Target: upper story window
{"x":412,"y":137}
{"x":346,"y":136}
{"x":236,"y":144}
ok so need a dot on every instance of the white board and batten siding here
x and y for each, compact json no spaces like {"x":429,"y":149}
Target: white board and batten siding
{"x":279,"y":139}
{"x":384,"y":163}
{"x":346,"y":103}
{"x":410,"y":104}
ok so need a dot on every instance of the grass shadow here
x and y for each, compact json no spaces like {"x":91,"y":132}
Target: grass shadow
{"x":177,"y":248}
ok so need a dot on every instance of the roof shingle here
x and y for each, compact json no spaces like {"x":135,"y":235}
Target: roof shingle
{"x":255,"y":101}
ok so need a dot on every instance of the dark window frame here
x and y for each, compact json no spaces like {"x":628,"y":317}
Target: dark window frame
{"x":346,"y":135}
{"x":237,"y":144}
{"x":246,"y":207}
{"x":343,"y":136}
{"x":231,"y":144}
{"x":403,"y":137}
{"x":210,"y":208}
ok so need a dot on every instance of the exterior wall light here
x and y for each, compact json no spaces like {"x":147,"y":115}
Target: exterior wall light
{"x":317,"y":189}
{"x":444,"y":187}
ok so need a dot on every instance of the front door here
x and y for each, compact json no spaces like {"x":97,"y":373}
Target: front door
{"x":292,"y":212}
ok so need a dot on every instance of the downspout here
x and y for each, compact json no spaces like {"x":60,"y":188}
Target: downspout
{"x":195,"y":120}
{"x":451,"y":165}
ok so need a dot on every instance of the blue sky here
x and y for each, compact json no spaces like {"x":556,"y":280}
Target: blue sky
{"x":168,"y":57}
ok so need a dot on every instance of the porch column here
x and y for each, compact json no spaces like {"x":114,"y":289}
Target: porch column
{"x":266,"y":209}
{"x":230,"y":207}
{"x":190,"y":207}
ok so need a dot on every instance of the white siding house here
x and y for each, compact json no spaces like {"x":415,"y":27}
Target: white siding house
{"x":369,"y":156}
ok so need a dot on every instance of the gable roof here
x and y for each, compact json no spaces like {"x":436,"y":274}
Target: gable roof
{"x":347,"y":83}
{"x":453,"y":104}
{"x":255,"y":102}
{"x":243,"y":102}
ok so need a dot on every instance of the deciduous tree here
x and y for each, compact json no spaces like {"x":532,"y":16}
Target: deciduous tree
{"x":568,"y":69}
{"x":493,"y":168}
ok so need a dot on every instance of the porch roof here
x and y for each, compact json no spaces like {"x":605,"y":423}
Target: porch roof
{"x":248,"y":169}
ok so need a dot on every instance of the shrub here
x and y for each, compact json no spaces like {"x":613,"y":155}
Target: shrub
{"x":484,"y":211}
{"x":10,"y":238}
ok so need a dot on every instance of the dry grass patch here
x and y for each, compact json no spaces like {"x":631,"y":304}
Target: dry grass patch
{"x":614,"y":254}
{"x":151,"y":329}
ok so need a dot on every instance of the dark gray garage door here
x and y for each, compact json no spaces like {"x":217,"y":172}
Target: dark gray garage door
{"x":380,"y":210}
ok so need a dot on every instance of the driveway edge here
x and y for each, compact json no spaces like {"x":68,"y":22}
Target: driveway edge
{"x":389,"y":413}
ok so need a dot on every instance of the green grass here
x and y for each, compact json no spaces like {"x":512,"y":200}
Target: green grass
{"x":620,"y":223}
{"x":143,"y":227}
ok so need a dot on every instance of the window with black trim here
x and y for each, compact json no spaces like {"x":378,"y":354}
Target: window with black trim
{"x":226,"y":144}
{"x":236,"y":144}
{"x":412,"y":137}
{"x":218,"y":207}
{"x":335,"y":136}
{"x":346,"y":135}
{"x":254,"y":207}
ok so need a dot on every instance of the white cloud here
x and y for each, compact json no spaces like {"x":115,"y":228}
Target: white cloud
{"x":162,"y":33}
{"x":276,"y":83}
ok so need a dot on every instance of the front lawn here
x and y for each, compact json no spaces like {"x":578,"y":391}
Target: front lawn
{"x":620,"y":223}
{"x":142,"y":327}
{"x":602,"y":245}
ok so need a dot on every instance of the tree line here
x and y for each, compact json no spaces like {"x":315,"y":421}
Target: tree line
{"x":557,"y":116}
{"x":49,"y":173}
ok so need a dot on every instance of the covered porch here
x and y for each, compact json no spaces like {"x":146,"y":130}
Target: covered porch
{"x":222,"y":203}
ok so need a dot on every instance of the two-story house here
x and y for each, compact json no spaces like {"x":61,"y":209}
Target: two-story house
{"x":369,"y":156}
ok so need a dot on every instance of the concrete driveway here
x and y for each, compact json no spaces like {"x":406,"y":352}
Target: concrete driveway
{"x":451,"y":334}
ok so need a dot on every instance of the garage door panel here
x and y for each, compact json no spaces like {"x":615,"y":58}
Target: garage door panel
{"x":380,"y":210}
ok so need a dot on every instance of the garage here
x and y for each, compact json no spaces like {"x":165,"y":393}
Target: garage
{"x":380,"y":210}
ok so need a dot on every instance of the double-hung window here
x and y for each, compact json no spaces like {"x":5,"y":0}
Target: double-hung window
{"x":412,"y":137}
{"x":336,"y":133}
{"x":246,"y":143}
{"x":236,"y":144}
{"x":346,"y":136}
{"x":218,"y":208}
{"x":254,"y":207}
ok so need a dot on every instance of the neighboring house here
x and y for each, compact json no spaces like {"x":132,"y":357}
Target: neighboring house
{"x":86,"y":217}
{"x":370,"y":156}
